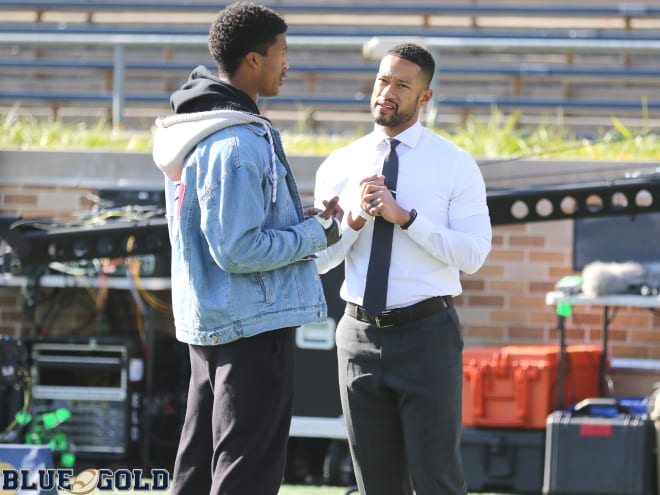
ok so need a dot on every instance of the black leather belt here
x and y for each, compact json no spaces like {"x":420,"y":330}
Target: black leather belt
{"x":399,"y":316}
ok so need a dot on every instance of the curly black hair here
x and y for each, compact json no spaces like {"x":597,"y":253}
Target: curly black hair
{"x":241,"y":28}
{"x":417,"y":55}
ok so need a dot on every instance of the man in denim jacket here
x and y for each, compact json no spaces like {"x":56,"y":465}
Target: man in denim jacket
{"x":243,"y":274}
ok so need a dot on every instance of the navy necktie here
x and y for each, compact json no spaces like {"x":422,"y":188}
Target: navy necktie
{"x":375,"y":291}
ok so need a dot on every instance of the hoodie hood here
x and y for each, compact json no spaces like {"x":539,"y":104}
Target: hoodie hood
{"x":204,"y":91}
{"x":177,"y":135}
{"x":203,"y":106}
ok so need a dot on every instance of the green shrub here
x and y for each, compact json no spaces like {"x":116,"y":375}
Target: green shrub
{"x":498,"y":136}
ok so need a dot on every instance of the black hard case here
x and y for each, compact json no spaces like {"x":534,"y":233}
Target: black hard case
{"x":587,"y":454}
{"x":502,"y":460}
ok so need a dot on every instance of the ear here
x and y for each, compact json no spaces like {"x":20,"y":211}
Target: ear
{"x":252,"y":60}
{"x":427,"y":94}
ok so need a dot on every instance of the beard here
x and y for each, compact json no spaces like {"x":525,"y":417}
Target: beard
{"x":394,"y":119}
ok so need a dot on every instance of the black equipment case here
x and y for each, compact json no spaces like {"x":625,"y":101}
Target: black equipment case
{"x":600,"y":448}
{"x":503,"y":460}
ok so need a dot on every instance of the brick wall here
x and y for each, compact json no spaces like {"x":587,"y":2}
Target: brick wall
{"x":62,"y":203}
{"x":505,"y":301}
{"x":17,"y":308}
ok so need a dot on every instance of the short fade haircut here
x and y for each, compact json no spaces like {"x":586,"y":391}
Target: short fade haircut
{"x":241,"y":28}
{"x":417,"y":55}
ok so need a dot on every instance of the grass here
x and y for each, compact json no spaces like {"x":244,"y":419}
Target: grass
{"x":285,"y":490}
{"x":311,"y":490}
{"x":322,"y":490}
{"x":498,"y":136}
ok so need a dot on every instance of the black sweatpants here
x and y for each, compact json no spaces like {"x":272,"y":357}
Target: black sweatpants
{"x":238,"y":415}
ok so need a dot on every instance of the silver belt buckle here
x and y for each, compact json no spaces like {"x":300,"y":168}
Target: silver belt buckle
{"x":379,"y":319}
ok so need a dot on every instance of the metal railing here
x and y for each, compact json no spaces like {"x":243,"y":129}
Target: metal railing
{"x":370,"y":47}
{"x":625,"y":10}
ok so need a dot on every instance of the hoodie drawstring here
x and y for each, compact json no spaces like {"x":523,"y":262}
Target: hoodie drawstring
{"x":273,"y":162}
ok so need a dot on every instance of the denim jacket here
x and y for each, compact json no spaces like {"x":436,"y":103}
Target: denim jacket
{"x":242,"y":259}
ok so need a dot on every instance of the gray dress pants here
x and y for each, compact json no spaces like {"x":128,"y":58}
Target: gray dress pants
{"x":401,"y":396}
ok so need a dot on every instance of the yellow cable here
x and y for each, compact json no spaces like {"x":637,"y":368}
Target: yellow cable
{"x":27,"y":398}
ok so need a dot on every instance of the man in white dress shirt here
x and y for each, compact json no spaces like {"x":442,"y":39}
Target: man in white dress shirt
{"x":399,"y":342}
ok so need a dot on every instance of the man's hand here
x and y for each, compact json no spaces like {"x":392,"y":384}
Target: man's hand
{"x":310,"y":212}
{"x":330,"y":218}
{"x":332,"y":209}
{"x":378,"y":200}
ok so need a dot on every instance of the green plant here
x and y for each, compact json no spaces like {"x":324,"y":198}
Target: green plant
{"x":497,"y":136}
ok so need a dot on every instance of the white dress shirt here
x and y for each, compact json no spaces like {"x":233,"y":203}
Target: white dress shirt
{"x":451,"y":233}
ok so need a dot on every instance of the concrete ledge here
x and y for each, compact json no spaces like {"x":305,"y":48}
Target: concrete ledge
{"x":92,"y":169}
{"x":117,"y":169}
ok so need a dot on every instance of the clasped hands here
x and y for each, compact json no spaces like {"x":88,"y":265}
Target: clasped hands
{"x":377,"y":200}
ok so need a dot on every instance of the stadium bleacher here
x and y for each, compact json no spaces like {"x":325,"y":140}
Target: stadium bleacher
{"x":595,"y":59}
{"x":421,"y":12}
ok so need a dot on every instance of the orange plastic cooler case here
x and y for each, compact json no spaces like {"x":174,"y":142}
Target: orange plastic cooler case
{"x":517,"y":386}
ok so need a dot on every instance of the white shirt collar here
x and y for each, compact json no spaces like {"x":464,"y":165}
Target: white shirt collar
{"x":409,"y":137}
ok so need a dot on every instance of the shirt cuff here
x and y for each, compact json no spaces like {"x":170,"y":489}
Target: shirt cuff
{"x":420,"y":229}
{"x":355,"y":212}
{"x":349,"y":235}
{"x":361,"y":213}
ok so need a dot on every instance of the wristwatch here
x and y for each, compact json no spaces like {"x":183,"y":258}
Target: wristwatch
{"x":413,"y":215}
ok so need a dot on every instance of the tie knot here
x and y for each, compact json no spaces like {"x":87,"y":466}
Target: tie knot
{"x":393,"y":143}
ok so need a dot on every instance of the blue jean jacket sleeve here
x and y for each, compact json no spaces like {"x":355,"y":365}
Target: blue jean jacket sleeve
{"x":245,"y":230}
